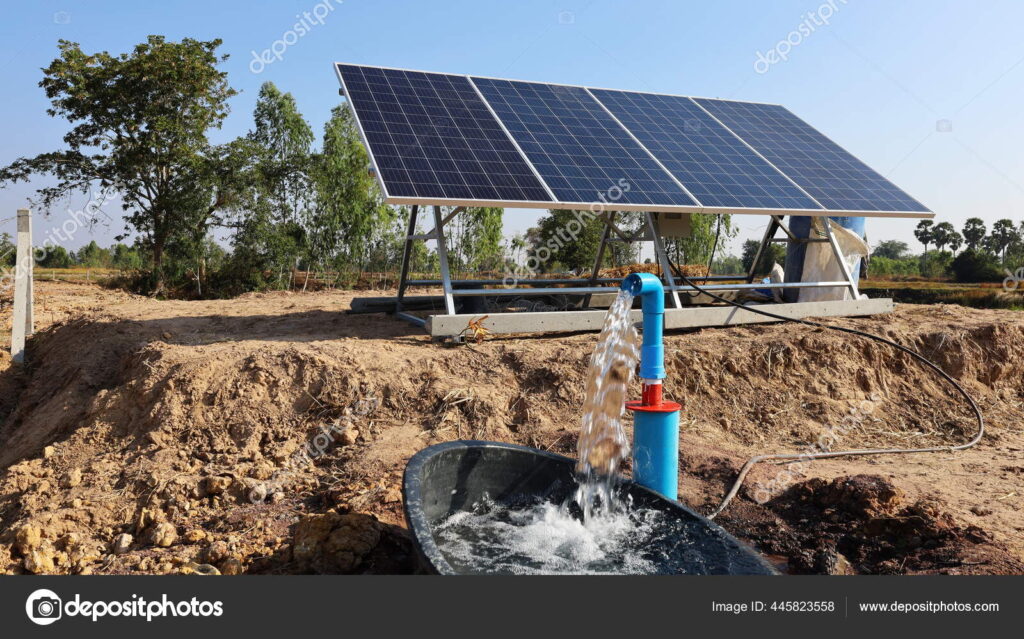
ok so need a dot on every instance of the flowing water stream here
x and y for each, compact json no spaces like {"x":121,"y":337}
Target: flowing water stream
{"x":596,"y":530}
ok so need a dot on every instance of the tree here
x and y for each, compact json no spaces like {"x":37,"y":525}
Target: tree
{"x":923,"y":233}
{"x":8,"y":251}
{"x":476,"y":239}
{"x":285,"y":140}
{"x":269,"y":216}
{"x":727,"y":265}
{"x":704,"y":231}
{"x":955,"y":241}
{"x":773,"y":254}
{"x":348,"y":217}
{"x":1004,"y":233}
{"x":54,"y":257}
{"x":568,"y":239}
{"x":891,"y":249}
{"x":125,"y":257}
{"x":92,"y":256}
{"x":974,"y":232}
{"x":942,"y":234}
{"x":976,"y":266}
{"x":139,"y":125}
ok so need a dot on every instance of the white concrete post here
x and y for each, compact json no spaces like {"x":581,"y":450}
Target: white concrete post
{"x":23,"y":321}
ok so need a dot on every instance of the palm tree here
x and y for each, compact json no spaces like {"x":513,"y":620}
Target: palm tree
{"x":942,"y":234}
{"x":923,"y":233}
{"x":974,"y":232}
{"x":1004,"y":233}
{"x":955,"y":241}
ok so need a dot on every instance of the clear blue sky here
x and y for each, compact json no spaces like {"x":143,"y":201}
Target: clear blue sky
{"x":877,"y":78}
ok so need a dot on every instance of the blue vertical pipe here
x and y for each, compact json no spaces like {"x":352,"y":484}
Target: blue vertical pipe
{"x":655,"y":425}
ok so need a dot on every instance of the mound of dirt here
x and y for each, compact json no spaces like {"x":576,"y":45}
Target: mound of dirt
{"x":268,"y":434}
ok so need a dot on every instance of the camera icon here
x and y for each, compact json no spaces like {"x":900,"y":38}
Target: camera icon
{"x":43,"y":607}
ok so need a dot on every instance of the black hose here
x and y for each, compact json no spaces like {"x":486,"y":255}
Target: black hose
{"x":873,"y":451}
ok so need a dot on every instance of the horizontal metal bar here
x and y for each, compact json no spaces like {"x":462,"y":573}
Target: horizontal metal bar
{"x":412,"y":319}
{"x":575,"y":280}
{"x":591,"y":290}
{"x":696,"y":317}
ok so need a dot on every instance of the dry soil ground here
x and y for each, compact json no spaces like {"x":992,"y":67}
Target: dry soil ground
{"x":150,"y":436}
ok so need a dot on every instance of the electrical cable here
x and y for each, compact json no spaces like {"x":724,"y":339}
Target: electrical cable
{"x":845,"y":453}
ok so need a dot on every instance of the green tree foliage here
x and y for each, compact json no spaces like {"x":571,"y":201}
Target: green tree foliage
{"x":349,"y":225}
{"x":974,"y":232}
{"x":475,"y":240}
{"x":1004,"y":234}
{"x":774,"y":253}
{"x":881,"y":266}
{"x":923,"y":233}
{"x":891,"y":249}
{"x":8,"y":251}
{"x":697,"y":248}
{"x":942,"y":234}
{"x":974,"y":265}
{"x":270,"y":238}
{"x":565,"y":239}
{"x":935,"y":264}
{"x":53,"y":257}
{"x":728,"y":265}
{"x":126,"y":258}
{"x":139,"y":125}
{"x":92,"y":256}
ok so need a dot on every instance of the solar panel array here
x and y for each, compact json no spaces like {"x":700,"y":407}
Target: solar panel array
{"x":579,"y":150}
{"x":834,"y":177}
{"x":451,"y":139}
{"x":713,"y":163}
{"x":432,"y":137}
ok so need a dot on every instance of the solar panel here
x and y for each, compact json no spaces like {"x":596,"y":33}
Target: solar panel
{"x":431,"y":137}
{"x":836,"y":179}
{"x":712,"y":163}
{"x":578,"y":149}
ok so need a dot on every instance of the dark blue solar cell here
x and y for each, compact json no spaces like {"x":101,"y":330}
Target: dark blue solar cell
{"x":712,"y":163}
{"x":432,"y":137}
{"x":579,"y":150}
{"x":836,"y":179}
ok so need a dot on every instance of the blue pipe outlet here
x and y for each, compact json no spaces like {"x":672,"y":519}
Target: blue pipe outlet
{"x":655,"y":421}
{"x":652,"y":295}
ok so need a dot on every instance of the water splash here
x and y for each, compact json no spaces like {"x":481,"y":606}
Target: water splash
{"x":541,"y":538}
{"x":603,"y":443}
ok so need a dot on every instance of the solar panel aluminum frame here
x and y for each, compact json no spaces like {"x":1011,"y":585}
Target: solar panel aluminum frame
{"x":596,"y":206}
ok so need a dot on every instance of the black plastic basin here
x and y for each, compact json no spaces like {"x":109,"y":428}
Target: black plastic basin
{"x":446,"y":479}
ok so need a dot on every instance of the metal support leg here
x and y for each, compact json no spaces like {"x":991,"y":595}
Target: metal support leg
{"x":663,"y":261}
{"x":769,"y":235}
{"x":406,"y":256}
{"x":442,"y":256}
{"x":838,"y":252}
{"x":605,"y":234}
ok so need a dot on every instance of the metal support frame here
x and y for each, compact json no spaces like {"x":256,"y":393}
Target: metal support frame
{"x":838,"y":253}
{"x":610,"y":233}
{"x":442,"y":257}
